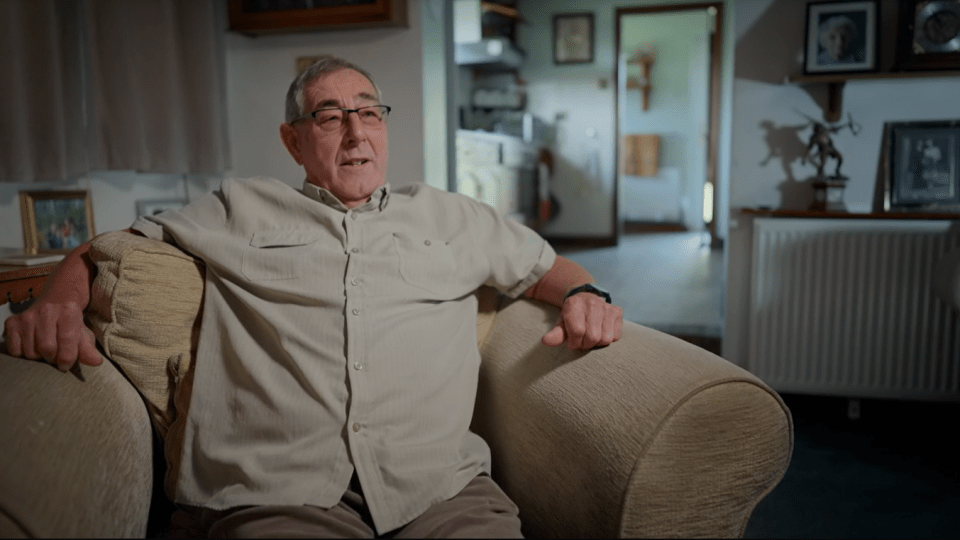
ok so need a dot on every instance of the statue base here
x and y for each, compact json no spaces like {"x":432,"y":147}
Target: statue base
{"x":828,"y":194}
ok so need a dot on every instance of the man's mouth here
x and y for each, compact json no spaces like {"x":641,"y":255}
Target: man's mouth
{"x":356,"y":162}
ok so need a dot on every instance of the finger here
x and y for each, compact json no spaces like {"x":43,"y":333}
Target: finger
{"x":593,"y":331}
{"x":45,"y":335}
{"x":575,"y":326}
{"x":612,"y":326}
{"x":554,"y":337}
{"x":28,"y":345}
{"x":12,"y":337}
{"x":66,"y":342}
{"x":87,"y":350}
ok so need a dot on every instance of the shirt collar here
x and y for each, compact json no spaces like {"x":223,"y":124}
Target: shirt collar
{"x":378,"y":200}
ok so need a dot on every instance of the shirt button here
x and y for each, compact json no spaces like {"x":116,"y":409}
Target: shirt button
{"x":358,"y":366}
{"x":353,"y":216}
{"x":356,"y":428}
{"x":356,"y":311}
{"x":354,"y":281}
{"x":355,"y":250}
{"x":426,"y":242}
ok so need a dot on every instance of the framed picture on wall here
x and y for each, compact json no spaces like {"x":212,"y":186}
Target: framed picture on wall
{"x":841,"y":37}
{"x":928,"y":34}
{"x":922,"y":172}
{"x":573,"y":38}
{"x":55,"y":221}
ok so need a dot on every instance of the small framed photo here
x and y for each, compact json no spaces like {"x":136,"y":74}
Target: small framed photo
{"x":922,"y":167}
{"x":573,"y":38}
{"x":55,"y":221}
{"x":152,"y":207}
{"x":841,"y":37}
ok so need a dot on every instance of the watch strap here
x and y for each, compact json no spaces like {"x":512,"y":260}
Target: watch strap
{"x":590,"y":288}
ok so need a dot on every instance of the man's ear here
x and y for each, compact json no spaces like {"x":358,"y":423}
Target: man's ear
{"x":291,"y":139}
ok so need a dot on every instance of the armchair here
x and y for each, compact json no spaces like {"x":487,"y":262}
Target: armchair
{"x":650,"y":436}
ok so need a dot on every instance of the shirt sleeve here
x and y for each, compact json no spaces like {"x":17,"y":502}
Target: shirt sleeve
{"x":517,"y":257}
{"x":209,"y":212}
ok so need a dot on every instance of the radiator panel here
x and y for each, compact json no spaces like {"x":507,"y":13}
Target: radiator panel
{"x":845,"y":307}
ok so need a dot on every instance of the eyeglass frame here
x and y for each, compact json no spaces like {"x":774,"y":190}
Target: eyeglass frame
{"x":346,"y":113}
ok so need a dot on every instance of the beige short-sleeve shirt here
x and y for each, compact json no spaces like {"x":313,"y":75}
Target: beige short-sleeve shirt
{"x":338,"y":339}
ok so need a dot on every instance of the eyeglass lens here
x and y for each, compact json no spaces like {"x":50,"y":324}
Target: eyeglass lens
{"x":333,"y":118}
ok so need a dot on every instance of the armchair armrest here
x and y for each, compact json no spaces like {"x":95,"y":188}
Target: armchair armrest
{"x":77,"y":454}
{"x":651,"y":436}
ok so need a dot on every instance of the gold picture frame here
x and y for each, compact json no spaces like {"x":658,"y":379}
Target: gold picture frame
{"x":56,"y":221}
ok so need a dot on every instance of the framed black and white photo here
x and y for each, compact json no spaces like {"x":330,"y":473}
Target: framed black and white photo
{"x":923,"y":167}
{"x":152,"y":207}
{"x":55,"y":221}
{"x":841,"y":37}
{"x":573,"y":38}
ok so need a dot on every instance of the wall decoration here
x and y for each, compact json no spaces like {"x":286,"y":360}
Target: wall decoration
{"x":929,"y":34}
{"x":573,"y":38}
{"x":841,"y":37}
{"x":152,"y":207}
{"x":922,"y":172}
{"x":55,"y":221}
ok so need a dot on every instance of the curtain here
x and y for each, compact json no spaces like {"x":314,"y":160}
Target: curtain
{"x":41,"y":97}
{"x":112,"y":84}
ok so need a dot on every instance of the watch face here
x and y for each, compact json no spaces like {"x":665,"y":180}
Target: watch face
{"x":937,"y":27}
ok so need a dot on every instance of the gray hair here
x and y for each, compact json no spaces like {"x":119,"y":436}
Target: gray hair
{"x":324,"y":65}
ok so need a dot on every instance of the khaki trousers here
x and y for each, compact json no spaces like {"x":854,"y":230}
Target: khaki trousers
{"x":480,"y":510}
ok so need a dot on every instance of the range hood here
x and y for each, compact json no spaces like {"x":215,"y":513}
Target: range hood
{"x":471,"y":48}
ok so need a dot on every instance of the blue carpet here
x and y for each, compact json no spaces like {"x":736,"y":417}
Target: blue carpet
{"x":893,"y":473}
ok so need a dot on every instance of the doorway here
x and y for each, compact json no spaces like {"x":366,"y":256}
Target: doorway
{"x":668,"y":102}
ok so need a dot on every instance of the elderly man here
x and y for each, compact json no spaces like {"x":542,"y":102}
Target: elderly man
{"x":337,"y":363}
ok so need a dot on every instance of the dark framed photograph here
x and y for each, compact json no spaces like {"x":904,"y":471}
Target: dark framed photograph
{"x":841,"y":37}
{"x":922,"y":167}
{"x":928,"y":36}
{"x":152,"y":207}
{"x":55,"y":221}
{"x":573,"y":38}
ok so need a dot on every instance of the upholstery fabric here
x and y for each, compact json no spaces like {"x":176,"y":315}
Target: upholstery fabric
{"x":76,"y":457}
{"x":664,"y":439}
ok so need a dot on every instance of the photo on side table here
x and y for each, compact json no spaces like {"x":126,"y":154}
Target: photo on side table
{"x":55,"y":221}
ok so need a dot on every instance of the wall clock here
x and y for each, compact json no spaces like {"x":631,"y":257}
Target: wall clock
{"x":929,"y":36}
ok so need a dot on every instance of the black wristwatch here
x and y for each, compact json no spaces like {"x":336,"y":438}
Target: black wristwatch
{"x":590,"y":288}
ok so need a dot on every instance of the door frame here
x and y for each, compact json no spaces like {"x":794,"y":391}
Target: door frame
{"x":713,"y":113}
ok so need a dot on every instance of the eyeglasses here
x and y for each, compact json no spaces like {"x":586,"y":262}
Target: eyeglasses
{"x":334,"y":118}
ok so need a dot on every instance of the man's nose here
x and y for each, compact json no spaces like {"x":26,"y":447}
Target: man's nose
{"x":353,"y":125}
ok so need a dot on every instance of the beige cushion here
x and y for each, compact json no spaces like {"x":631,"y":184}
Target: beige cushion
{"x":145,"y":310}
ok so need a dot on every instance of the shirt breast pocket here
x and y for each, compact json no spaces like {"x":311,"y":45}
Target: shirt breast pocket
{"x":426,"y":263}
{"x":276,"y":254}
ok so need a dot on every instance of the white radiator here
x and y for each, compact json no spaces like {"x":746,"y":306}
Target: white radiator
{"x":845,"y":307}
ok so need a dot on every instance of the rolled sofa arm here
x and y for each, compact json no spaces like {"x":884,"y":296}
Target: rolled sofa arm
{"x":649,"y":437}
{"x":76,"y":458}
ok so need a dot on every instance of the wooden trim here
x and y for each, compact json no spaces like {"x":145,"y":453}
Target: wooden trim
{"x":580,"y":242}
{"x":379,"y":13}
{"x":814,"y":214}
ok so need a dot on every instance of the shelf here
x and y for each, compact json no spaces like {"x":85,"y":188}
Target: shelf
{"x":762,"y":212}
{"x":836,"y":81}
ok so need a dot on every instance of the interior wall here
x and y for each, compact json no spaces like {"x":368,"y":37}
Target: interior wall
{"x":582,"y":95}
{"x":771,"y":131}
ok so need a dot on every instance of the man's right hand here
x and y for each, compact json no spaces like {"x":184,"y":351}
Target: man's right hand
{"x":54,"y":332}
{"x":52,"y":328}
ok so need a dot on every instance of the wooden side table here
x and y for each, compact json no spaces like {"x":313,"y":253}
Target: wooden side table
{"x":19,"y":285}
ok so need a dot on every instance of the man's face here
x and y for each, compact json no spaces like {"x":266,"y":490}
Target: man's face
{"x":350,"y":161}
{"x":837,"y":42}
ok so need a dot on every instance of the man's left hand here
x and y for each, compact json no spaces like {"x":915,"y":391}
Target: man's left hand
{"x":586,"y":321}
